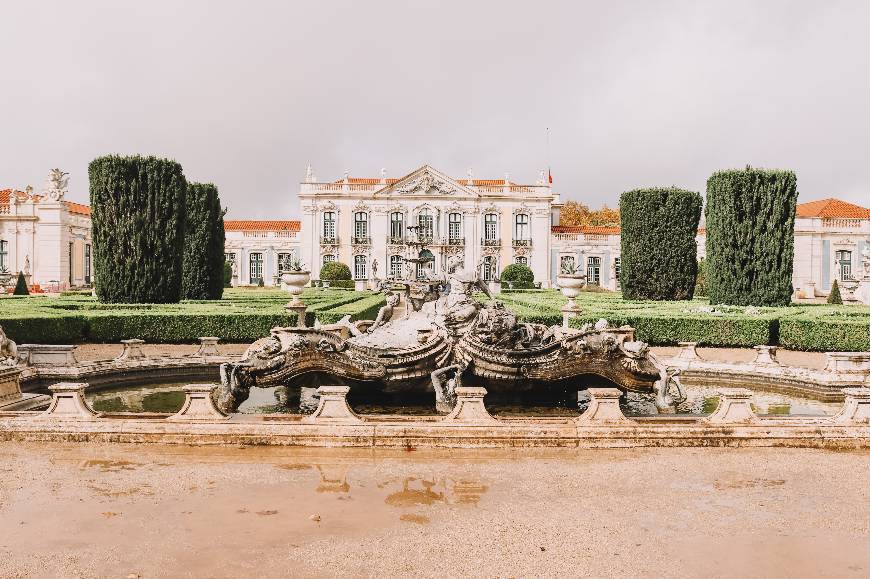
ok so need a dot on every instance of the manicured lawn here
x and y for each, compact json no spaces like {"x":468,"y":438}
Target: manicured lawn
{"x":242,"y":315}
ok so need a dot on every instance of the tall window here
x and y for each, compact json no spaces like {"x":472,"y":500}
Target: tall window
{"x":284,"y":260}
{"x":397,"y":225}
{"x":87,"y":263}
{"x":329,"y":225}
{"x":70,"y":263}
{"x":617,"y":267}
{"x":566,"y":262}
{"x":426,"y":265}
{"x":593,"y":270}
{"x":522,"y":260}
{"x":4,"y":254}
{"x":360,"y":226}
{"x":845,"y":260}
{"x":396,"y":266}
{"x":522,"y":231}
{"x":256,"y":268}
{"x":426,"y":223}
{"x":490,"y":227}
{"x":488,"y":268}
{"x":328,"y":258}
{"x":454,"y":228}
{"x":359,"y":267}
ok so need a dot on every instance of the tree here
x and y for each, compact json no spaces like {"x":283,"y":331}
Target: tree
{"x":21,"y":286}
{"x":335,"y":271}
{"x":204,"y":240}
{"x":834,"y":296}
{"x":520,"y":276}
{"x":750,"y":236}
{"x":579,"y":214}
{"x":228,"y":274}
{"x":138,"y":219}
{"x":659,"y":252}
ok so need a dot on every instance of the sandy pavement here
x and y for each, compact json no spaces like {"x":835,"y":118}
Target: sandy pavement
{"x":152,"y":511}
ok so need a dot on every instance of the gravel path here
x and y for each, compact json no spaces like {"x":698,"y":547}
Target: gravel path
{"x":128,"y":510}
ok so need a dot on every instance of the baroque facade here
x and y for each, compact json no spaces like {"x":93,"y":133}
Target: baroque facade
{"x":484,"y":223}
{"x":258,"y":250}
{"x":46,"y":237}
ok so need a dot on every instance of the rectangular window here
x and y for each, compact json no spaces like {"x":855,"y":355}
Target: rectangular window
{"x":424,"y":220}
{"x":617,"y":267}
{"x":360,"y":227}
{"x":454,"y":228}
{"x":522,"y":260}
{"x":256,"y":268}
{"x":566,"y":262}
{"x":329,"y":225}
{"x":844,"y":258}
{"x":488,"y":272}
{"x":490,"y":227}
{"x":522,"y":232}
{"x":4,"y":254}
{"x":396,"y":266}
{"x":593,"y":270}
{"x":87,"y":263}
{"x":397,"y":231}
{"x":328,"y":258}
{"x":359,"y":267}
{"x":284,"y":260}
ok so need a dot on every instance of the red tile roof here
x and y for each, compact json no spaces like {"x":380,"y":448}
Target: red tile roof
{"x":78,"y":208}
{"x":254,"y":225}
{"x":6,"y":196}
{"x":827,"y":208}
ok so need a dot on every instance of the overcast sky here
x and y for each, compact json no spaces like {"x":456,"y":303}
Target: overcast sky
{"x":246,"y":93}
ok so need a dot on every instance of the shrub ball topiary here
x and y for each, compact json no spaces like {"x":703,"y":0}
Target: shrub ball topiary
{"x":659,"y":252}
{"x":138,"y":208}
{"x":21,"y":286}
{"x":750,"y":236}
{"x":520,"y":276}
{"x":204,"y":239}
{"x":834,"y":296}
{"x":334,"y":270}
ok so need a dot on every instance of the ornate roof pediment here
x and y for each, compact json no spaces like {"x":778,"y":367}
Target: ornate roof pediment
{"x":427,"y":181}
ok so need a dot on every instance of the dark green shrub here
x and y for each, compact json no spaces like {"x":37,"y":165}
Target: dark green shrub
{"x":228,"y":274}
{"x":520,"y":276}
{"x":659,"y":252}
{"x":834,"y":296}
{"x":334,"y":270}
{"x":21,"y":286}
{"x":138,"y":219}
{"x":750,"y":236}
{"x":203,"y":277}
{"x":260,"y":282}
{"x":701,"y":280}
{"x":343,"y":284}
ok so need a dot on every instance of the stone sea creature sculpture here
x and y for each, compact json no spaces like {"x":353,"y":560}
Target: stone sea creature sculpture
{"x":8,"y":350}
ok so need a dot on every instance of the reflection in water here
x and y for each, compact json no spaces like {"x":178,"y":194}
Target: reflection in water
{"x":409,"y":496}
{"x":333,"y":479}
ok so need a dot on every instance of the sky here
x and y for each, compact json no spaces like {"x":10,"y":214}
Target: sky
{"x":245,"y":94}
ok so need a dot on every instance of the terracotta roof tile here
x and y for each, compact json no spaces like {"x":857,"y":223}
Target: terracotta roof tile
{"x":78,"y":208}
{"x":827,"y":208}
{"x":593,"y":229}
{"x":266,"y":225}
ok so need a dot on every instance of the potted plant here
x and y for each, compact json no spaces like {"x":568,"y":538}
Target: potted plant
{"x":571,"y":281}
{"x":295,"y":277}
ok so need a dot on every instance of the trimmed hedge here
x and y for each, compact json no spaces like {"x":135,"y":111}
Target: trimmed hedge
{"x":750,"y":236}
{"x":138,"y":207}
{"x":335,"y":270}
{"x":520,"y":276}
{"x":204,"y":239}
{"x":659,"y":252}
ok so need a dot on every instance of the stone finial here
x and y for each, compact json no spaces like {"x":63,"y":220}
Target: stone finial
{"x":56,"y":185}
{"x":347,"y":175}
{"x":333,"y":407}
{"x":68,"y":401}
{"x":470,"y":176}
{"x":383,"y":174}
{"x":688,"y":351}
{"x":735,"y":407}
{"x":309,"y":174}
{"x":856,"y":409}
{"x":603,"y":408}
{"x":132,"y":350}
{"x":199,"y":404}
{"x":208,"y":346}
{"x":541,"y":179}
{"x":470,"y":407}
{"x":766,"y":355}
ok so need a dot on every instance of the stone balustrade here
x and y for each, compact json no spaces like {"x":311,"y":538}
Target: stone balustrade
{"x":199,"y":404}
{"x":132,"y":350}
{"x":47,"y":355}
{"x":603,"y":408}
{"x":333,"y":408}
{"x":208,"y":346}
{"x":68,"y":401}
{"x":470,"y":408}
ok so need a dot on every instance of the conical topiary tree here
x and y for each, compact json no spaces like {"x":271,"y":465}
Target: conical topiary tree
{"x":204,"y":239}
{"x":21,"y":286}
{"x":834,"y":296}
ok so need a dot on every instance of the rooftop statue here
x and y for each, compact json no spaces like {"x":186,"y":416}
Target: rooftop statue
{"x":57,"y":184}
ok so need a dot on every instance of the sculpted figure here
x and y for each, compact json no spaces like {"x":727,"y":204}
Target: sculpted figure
{"x":8,"y":350}
{"x":385,"y":314}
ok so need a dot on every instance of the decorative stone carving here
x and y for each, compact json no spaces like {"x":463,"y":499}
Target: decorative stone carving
{"x":56,"y":185}
{"x":8,"y":351}
{"x":424,"y":183}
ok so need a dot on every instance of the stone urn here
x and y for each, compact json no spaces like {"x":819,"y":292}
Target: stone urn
{"x":295,"y":281}
{"x":571,"y":284}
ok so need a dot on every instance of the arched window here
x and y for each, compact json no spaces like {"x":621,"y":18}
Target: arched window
{"x":360,"y":227}
{"x":396,"y":266}
{"x":329,"y":225}
{"x":359,"y":267}
{"x":522,"y":260}
{"x":328,"y":258}
{"x":844,"y":258}
{"x":426,"y":223}
{"x":426,"y":264}
{"x":454,"y":229}
{"x":522,"y":232}
{"x":487,"y":270}
{"x":397,"y":226}
{"x":490,"y":228}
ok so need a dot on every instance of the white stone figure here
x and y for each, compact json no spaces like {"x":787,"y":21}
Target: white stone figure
{"x":309,"y":174}
{"x":865,"y":260}
{"x":26,"y":265}
{"x":470,"y":175}
{"x":56,"y":185}
{"x":384,"y":174}
{"x":8,"y":350}
{"x":374,"y":269}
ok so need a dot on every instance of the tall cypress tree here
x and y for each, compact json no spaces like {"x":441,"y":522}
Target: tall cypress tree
{"x":750,"y":236}
{"x":138,"y":220}
{"x":203,"y":244}
{"x":659,"y":253}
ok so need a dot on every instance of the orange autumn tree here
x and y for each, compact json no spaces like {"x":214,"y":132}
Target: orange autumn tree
{"x":578,"y":214}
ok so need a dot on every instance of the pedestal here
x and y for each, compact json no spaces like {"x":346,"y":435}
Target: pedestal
{"x":569,"y":311}
{"x":298,"y":309}
{"x":470,"y":407}
{"x":603,"y":407}
{"x":766,"y":355}
{"x":68,"y":401}
{"x":333,"y":407}
{"x":208,"y":346}
{"x":132,"y":350}
{"x":735,"y":407}
{"x":198,"y":404}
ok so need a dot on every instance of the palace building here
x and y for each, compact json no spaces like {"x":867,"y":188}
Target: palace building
{"x":258,"y":250}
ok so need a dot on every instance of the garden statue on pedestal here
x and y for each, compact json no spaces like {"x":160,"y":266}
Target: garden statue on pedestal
{"x":8,"y":350}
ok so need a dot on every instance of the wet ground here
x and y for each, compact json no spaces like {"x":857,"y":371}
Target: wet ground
{"x":128,"y":510}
